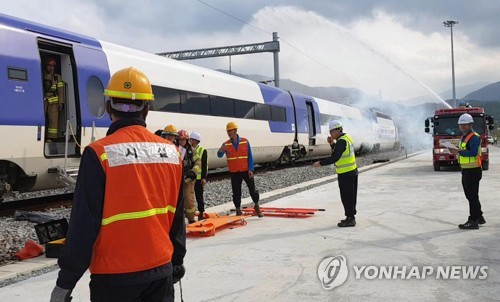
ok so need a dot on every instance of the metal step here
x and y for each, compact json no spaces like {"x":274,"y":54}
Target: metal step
{"x":67,"y":176}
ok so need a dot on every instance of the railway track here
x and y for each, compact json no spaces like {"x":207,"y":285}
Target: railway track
{"x":35,"y":204}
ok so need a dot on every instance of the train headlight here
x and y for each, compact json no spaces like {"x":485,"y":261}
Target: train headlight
{"x":440,"y":151}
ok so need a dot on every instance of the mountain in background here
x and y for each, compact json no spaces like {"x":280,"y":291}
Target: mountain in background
{"x":488,"y":93}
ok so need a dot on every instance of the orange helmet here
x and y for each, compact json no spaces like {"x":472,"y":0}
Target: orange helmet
{"x":131,"y":84}
{"x":231,"y":126}
{"x":183,"y":134}
{"x":170,"y":129}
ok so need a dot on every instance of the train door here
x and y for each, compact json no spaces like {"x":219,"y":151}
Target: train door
{"x":61,"y":134}
{"x":311,"y":120}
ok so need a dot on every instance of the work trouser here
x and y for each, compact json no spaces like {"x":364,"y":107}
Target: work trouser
{"x":155,"y":291}
{"x":348,"y":185}
{"x":198,"y":190}
{"x":189,"y":209}
{"x":52,"y":111}
{"x":470,"y":183}
{"x":236,"y":180}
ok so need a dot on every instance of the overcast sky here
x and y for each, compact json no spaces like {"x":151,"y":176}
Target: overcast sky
{"x":381,"y":47}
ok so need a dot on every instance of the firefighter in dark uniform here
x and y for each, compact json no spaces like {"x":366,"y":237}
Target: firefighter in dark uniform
{"x":191,"y":167}
{"x":124,"y":227}
{"x":53,"y":90}
{"x":240,"y":163}
{"x":469,"y":158}
{"x":345,"y":162}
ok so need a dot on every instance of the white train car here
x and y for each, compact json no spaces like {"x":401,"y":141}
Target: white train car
{"x":198,"y":99}
{"x":282,"y":126}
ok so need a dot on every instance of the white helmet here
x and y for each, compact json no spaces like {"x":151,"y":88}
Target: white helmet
{"x":335,"y":124}
{"x":465,"y":119}
{"x":195,"y":135}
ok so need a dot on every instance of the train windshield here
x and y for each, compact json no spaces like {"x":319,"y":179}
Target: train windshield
{"x":449,"y":125}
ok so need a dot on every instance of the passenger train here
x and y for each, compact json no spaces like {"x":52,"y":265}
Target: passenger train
{"x":282,"y":126}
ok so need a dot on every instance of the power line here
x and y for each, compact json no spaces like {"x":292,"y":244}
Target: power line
{"x":262,"y":30}
{"x":234,"y":17}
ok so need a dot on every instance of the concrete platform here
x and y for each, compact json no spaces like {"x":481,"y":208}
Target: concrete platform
{"x":407,"y":220}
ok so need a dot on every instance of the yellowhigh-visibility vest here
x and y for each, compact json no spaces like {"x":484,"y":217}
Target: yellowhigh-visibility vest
{"x":199,"y":153}
{"x":347,"y":161}
{"x":469,"y":162}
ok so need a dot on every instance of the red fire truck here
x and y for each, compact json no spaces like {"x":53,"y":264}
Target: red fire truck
{"x":445,"y":129}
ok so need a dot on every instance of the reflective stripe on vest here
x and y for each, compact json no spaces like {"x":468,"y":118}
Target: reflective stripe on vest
{"x":347,"y":161}
{"x":138,"y":215}
{"x":53,"y":99}
{"x":237,"y":160}
{"x":56,"y":88}
{"x":137,"y":212}
{"x":469,"y":162}
{"x":199,"y":153}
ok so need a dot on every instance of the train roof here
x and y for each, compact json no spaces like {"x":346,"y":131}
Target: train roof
{"x":167,"y":72}
{"x":331,"y":107}
{"x":38,"y":28}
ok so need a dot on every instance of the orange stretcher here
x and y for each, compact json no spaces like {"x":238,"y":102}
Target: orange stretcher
{"x":282,"y":212}
{"x":213,"y":222}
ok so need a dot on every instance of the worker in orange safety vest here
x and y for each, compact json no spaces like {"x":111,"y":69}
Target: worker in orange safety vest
{"x":125,"y":227}
{"x":240,"y":163}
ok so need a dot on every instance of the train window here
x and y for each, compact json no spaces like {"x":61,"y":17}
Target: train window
{"x":262,"y":112}
{"x":278,"y":114}
{"x":95,"y":97}
{"x":220,"y":106}
{"x":17,"y":74}
{"x":243,"y":109}
{"x":166,"y":99}
{"x":195,"y":103}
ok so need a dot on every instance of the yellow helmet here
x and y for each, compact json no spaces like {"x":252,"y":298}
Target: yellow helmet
{"x":170,"y":129}
{"x":231,"y":126}
{"x":130,"y":83}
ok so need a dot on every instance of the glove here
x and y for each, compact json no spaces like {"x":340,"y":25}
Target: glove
{"x":60,"y":295}
{"x":177,"y":273}
{"x":191,"y":175}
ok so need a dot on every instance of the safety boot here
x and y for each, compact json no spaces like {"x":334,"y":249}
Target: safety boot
{"x":238,"y":211}
{"x":469,"y":225}
{"x":256,"y":208}
{"x":200,"y":216}
{"x":481,"y":220}
{"x":347,"y":222}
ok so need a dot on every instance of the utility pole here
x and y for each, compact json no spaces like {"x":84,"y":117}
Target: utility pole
{"x":450,"y":24}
